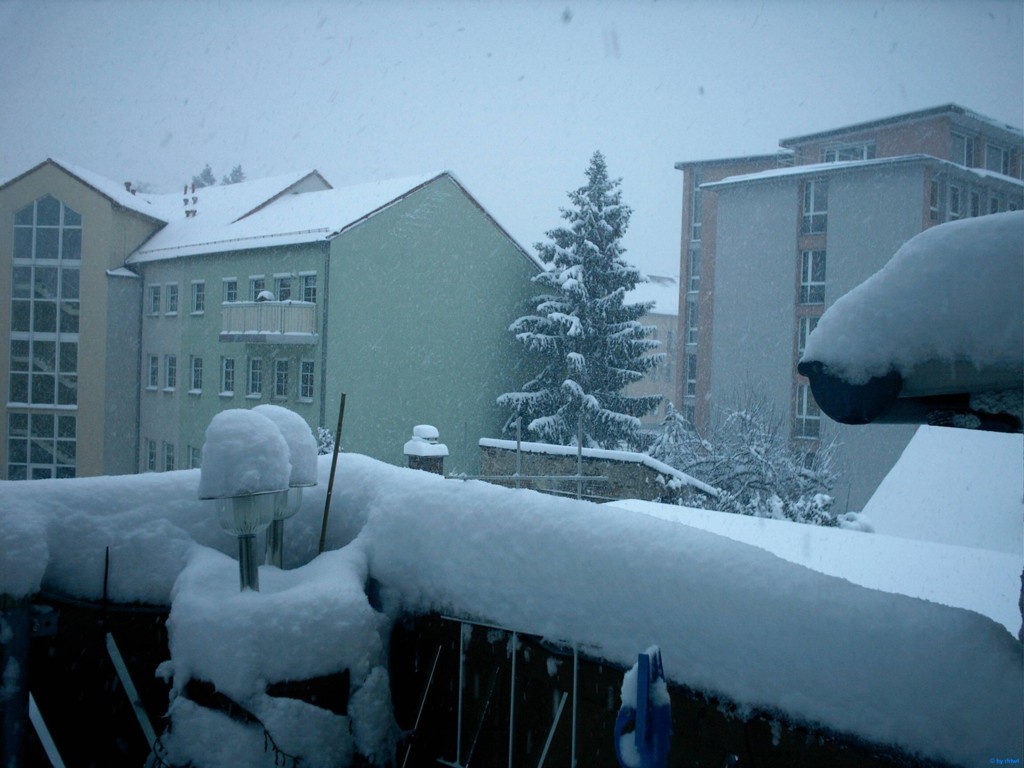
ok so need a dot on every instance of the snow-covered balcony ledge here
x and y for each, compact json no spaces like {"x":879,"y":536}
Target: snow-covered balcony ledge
{"x":269,"y":322}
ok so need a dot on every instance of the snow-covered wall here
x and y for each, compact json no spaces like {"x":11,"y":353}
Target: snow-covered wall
{"x":731,"y":619}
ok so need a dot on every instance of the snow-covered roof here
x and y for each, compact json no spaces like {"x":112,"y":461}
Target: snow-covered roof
{"x":662,"y":290}
{"x":902,"y":118}
{"x":151,"y":206}
{"x":731,"y":619}
{"x":122,"y":272}
{"x":671,"y":473}
{"x":817,"y":169}
{"x":950,"y":294}
{"x":276,"y":218}
{"x":224,"y":222}
{"x":955,"y":486}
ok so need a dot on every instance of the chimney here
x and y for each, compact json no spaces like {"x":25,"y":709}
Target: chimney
{"x":424,"y":450}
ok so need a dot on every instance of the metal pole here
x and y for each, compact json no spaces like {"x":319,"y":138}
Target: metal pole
{"x":330,"y":481}
{"x":462,"y":667}
{"x":275,"y":543}
{"x":575,"y":681}
{"x":580,"y":458}
{"x":512,"y":702}
{"x":16,"y":621}
{"x":519,"y":450}
{"x":551,"y":733}
{"x":248,"y":567}
{"x":129,"y":688}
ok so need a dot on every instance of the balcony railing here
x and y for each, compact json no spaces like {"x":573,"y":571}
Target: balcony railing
{"x":269,"y":322}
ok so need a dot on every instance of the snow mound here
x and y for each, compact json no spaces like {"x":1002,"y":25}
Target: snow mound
{"x":912,"y":311}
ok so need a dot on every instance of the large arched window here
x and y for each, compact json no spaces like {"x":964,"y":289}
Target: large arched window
{"x":44,"y":340}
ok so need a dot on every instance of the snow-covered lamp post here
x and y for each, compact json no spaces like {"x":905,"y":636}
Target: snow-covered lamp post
{"x":302,"y":453}
{"x":245,"y":467}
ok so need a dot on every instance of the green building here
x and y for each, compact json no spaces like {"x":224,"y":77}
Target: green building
{"x":132,"y":319}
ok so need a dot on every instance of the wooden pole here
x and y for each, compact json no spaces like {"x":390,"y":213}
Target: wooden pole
{"x":330,"y":481}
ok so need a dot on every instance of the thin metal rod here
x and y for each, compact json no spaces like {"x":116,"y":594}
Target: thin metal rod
{"x":275,"y":543}
{"x":248,"y":567}
{"x":462,"y":674}
{"x":129,"y":688}
{"x":423,"y":703}
{"x":551,"y":733}
{"x":519,"y":448}
{"x":579,"y":457}
{"x":512,"y":701}
{"x":330,"y":481}
{"x":575,"y":688}
{"x":49,"y":746}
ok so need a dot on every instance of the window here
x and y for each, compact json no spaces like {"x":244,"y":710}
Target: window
{"x":256,"y":286}
{"x":280,"y":379}
{"x":154,"y":300}
{"x":196,"y":375}
{"x":691,"y":375}
{"x":153,"y":379}
{"x":227,"y":376}
{"x":168,"y":457}
{"x":229,"y":290}
{"x":997,"y":159}
{"x":975,"y":204}
{"x":283,"y":287}
{"x":309,"y":288}
{"x":934,"y":200}
{"x":693,"y":276}
{"x":806,"y":325}
{"x":846,"y":152}
{"x":43,"y":336}
{"x":691,"y":322}
{"x":696,"y":206}
{"x":198,"y":297}
{"x":255,"y":386}
{"x":956,"y":202}
{"x":151,"y":455}
{"x":808,"y":415}
{"x":195,"y":457}
{"x":812,"y":277}
{"x":670,"y":356}
{"x":962,"y":150}
{"x":306,"y":380}
{"x":172,"y":298}
{"x":995,"y":204}
{"x":40,"y":445}
{"x":815,"y":209}
{"x":170,"y":371}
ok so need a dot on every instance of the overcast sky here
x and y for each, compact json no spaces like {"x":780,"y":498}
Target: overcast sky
{"x":513,"y":97}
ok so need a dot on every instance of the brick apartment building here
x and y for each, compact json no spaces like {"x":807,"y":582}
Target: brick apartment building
{"x":770,"y":241}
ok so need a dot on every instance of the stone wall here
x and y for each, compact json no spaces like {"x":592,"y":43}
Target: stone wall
{"x":623,"y":479}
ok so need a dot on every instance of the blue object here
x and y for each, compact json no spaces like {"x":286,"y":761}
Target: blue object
{"x":651,"y":720}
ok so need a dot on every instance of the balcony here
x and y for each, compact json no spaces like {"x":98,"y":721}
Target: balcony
{"x":269,"y":322}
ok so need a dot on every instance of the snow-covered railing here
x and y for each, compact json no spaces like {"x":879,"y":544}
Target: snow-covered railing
{"x":277,"y":322}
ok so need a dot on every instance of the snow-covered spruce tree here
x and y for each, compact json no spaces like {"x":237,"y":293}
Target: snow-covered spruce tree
{"x":676,"y":442}
{"x":205,"y":178}
{"x":236,"y":175}
{"x":586,"y":341}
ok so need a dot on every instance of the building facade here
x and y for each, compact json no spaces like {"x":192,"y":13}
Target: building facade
{"x":130,"y":320}
{"x":663,"y":290}
{"x":777,"y":244}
